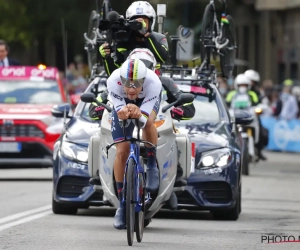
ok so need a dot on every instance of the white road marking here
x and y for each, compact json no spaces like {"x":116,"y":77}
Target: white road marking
{"x":24,"y":220}
{"x":23,"y":214}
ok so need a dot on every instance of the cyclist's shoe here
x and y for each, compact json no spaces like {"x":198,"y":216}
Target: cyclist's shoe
{"x":120,"y":219}
{"x":152,"y":181}
{"x":172,"y":203}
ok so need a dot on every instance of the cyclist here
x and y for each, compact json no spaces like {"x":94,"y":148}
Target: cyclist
{"x":135,"y":93}
{"x":182,"y":111}
{"x":157,"y":43}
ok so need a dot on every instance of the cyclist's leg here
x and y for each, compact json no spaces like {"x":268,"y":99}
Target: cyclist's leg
{"x":150,"y":134}
{"x":119,"y":165}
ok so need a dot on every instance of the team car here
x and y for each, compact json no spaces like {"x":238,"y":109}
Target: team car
{"x":215,"y":182}
{"x":71,"y":188}
{"x":28,"y":131}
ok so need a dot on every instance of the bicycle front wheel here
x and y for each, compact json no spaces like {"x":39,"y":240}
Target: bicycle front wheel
{"x":130,"y":205}
{"x":139,"y":216}
{"x":229,"y":52}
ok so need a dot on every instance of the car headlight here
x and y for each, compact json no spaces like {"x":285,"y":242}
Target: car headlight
{"x":216,"y":158}
{"x":74,"y":152}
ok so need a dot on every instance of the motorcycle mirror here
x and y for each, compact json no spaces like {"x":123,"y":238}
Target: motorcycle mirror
{"x":186,"y":98}
{"x":87,"y":97}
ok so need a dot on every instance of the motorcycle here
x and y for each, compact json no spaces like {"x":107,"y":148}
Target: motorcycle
{"x":169,"y":144}
{"x":250,"y":135}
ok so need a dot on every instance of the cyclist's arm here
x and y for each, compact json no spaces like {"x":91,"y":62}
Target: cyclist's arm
{"x":115,"y":90}
{"x":152,"y":89}
{"x":158,"y":46}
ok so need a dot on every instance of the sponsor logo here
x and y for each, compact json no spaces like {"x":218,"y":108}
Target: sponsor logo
{"x":151,"y":99}
{"x":116,"y":96}
{"x":139,"y":10}
{"x":28,"y":72}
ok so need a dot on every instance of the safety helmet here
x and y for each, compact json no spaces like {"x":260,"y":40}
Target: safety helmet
{"x":133,"y":73}
{"x":145,"y":55}
{"x":142,"y":8}
{"x":252,"y":75}
{"x":242,"y":79}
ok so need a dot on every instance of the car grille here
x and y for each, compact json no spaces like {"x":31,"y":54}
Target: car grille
{"x":72,"y":186}
{"x":21,"y":130}
{"x":185,"y":198}
{"x":215,"y":192}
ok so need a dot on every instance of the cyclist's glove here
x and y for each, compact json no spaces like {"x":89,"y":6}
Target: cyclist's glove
{"x":177,"y":113}
{"x":97,"y":113}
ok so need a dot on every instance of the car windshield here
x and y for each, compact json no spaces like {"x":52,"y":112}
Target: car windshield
{"x":206,"y":112}
{"x":30,"y":92}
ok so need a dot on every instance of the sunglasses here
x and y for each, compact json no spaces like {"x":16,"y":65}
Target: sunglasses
{"x":130,"y":83}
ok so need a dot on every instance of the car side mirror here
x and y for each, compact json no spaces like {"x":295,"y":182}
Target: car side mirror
{"x":243,"y":117}
{"x":61,"y":111}
{"x":186,"y":98}
{"x":87,"y":97}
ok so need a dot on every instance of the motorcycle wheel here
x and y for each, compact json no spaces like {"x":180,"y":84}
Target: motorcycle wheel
{"x":245,"y":161}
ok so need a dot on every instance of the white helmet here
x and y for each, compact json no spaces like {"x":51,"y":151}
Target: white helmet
{"x":133,"y":73}
{"x":142,"y":8}
{"x":145,"y":55}
{"x":252,"y":75}
{"x":242,"y":79}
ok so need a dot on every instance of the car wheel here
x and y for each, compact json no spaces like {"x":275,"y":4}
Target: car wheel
{"x":245,"y":164}
{"x":229,"y":214}
{"x":240,"y":199}
{"x":147,"y":222}
{"x":58,"y":208}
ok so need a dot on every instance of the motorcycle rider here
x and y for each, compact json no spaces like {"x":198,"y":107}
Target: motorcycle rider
{"x":157,"y":43}
{"x":255,"y":79}
{"x":136,"y":97}
{"x":242,"y":98}
{"x":181,"y":111}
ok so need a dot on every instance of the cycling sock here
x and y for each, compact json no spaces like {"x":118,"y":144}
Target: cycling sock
{"x":151,"y":154}
{"x":119,"y":188}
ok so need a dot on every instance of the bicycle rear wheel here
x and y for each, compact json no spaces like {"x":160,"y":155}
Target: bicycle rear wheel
{"x":139,"y":216}
{"x":229,"y":52}
{"x":207,"y":31}
{"x":130,"y":206}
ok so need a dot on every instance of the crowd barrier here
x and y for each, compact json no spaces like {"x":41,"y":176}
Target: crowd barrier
{"x":283,"y":135}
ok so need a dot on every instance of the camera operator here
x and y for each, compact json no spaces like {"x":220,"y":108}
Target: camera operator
{"x":142,"y":12}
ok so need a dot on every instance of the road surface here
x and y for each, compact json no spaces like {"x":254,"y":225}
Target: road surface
{"x":270,"y":206}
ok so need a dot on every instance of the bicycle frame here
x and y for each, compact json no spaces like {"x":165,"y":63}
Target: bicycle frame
{"x":135,"y":155}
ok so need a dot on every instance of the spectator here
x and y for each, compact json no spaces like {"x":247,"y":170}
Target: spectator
{"x":4,"y":60}
{"x":289,"y":103}
{"x":276,"y":103}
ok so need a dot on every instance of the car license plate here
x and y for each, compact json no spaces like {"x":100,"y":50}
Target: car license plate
{"x":10,"y":147}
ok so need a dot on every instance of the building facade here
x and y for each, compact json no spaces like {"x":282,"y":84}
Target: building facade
{"x":269,"y":37}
